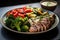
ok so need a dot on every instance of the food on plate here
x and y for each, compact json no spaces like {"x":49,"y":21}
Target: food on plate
{"x":29,"y":19}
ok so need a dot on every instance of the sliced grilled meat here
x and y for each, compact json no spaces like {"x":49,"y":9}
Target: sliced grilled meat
{"x":45,"y":22}
{"x":33,"y":29}
{"x":42,"y":25}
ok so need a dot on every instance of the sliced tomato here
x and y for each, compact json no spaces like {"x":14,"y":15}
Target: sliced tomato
{"x":9,"y":13}
{"x":21,"y":15}
{"x":15,"y":14}
{"x":28,"y":10}
{"x":14,"y":11}
{"x":20,"y":10}
{"x":24,"y":8}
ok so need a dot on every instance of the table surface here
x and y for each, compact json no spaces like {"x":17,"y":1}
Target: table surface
{"x":8,"y":35}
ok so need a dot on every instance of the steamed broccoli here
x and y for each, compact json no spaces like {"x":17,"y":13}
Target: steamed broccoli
{"x":17,"y":24}
{"x":13,"y":22}
{"x":25,"y":19}
{"x":24,"y":28}
{"x":9,"y":20}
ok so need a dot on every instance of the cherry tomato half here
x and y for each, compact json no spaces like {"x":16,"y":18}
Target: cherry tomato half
{"x":15,"y":14}
{"x":21,"y":15}
{"x":14,"y":11}
{"x":20,"y":10}
{"x":28,"y":10}
{"x":24,"y":8}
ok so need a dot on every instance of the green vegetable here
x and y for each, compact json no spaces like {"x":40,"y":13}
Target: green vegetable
{"x":11,"y":17}
{"x":25,"y":19}
{"x":25,"y":28}
{"x":13,"y":22}
{"x":9,"y":20}
{"x":35,"y":12}
{"x":43,"y":16}
{"x":21,"y":19}
{"x":17,"y":23}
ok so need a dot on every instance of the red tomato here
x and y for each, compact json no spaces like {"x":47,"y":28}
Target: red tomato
{"x":28,"y":10}
{"x":20,"y":10}
{"x":15,"y":14}
{"x":14,"y":11}
{"x":24,"y":8}
{"x":9,"y":13}
{"x":21,"y":15}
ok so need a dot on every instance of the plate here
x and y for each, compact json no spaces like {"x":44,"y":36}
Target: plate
{"x":3,"y":17}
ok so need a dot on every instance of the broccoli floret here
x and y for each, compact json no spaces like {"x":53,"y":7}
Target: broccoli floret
{"x":17,"y":23}
{"x":11,"y":17}
{"x":25,"y":28}
{"x":13,"y":22}
{"x":9,"y":20}
{"x":21,"y":19}
{"x":17,"y":26}
{"x":25,"y":19}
